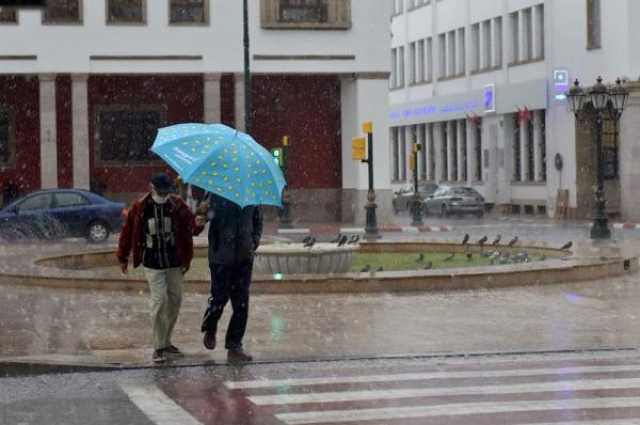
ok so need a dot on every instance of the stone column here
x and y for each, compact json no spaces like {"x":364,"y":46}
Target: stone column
{"x":48,"y":135}
{"x":239,"y":101}
{"x":450,"y":150}
{"x":471,"y":153}
{"x":537,"y":145}
{"x":462,"y":148}
{"x":80,"y":123}
{"x":524,"y":152}
{"x":428,"y":141}
{"x":212,"y":107}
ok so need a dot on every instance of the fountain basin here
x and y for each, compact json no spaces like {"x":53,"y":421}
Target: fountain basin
{"x":287,"y":259}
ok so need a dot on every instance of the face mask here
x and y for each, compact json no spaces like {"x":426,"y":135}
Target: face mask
{"x":159,"y":199}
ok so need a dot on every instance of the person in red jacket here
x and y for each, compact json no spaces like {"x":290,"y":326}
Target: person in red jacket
{"x":159,"y":231}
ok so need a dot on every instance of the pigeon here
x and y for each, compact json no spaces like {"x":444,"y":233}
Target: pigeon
{"x":483,"y":240}
{"x":450,"y":257}
{"x":380,"y":269}
{"x":428,"y":266}
{"x":306,"y":239}
{"x":566,"y":246}
{"x":354,"y":239}
{"x":343,"y":240}
{"x":496,"y":241}
{"x":310,"y":242}
{"x":512,"y":242}
{"x":365,"y":269}
{"x":469,"y":256}
{"x":420,"y":258}
{"x":337,"y":239}
{"x":466,"y":239}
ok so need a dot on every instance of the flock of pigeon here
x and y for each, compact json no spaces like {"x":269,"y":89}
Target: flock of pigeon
{"x":495,"y":255}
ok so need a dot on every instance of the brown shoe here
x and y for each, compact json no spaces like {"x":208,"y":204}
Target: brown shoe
{"x":209,"y":340}
{"x":238,"y":355}
{"x":172,"y":351}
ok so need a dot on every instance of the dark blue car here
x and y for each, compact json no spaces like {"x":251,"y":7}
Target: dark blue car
{"x":60,"y":213}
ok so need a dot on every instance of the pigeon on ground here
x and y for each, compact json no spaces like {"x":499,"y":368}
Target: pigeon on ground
{"x":354,"y":239}
{"x":512,"y":242}
{"x":466,"y":239}
{"x":343,"y":240}
{"x":306,"y":239}
{"x":469,"y":256}
{"x":310,"y":242}
{"x":366,"y":268}
{"x":450,"y":257}
{"x":428,"y":266}
{"x":496,"y":241}
{"x":566,"y":246}
{"x":483,"y":240}
{"x":380,"y":269}
{"x":420,"y":258}
{"x":337,"y":239}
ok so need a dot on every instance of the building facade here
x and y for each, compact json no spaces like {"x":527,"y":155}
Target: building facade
{"x":480,"y":84}
{"x":84,"y":85}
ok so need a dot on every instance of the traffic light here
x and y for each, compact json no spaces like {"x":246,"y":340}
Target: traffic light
{"x":277,"y":156}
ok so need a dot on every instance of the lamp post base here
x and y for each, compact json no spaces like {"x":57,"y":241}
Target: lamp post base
{"x":600,"y":229}
{"x":416,"y":212}
{"x":371,"y":227}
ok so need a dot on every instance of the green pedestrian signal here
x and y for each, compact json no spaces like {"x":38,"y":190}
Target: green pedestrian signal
{"x":277,"y":156}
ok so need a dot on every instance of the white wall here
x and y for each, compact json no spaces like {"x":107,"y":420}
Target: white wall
{"x":66,"y":48}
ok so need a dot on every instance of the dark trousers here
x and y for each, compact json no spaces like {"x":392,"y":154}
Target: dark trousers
{"x":229,"y":282}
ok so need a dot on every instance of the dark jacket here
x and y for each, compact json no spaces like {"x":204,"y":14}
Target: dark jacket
{"x":132,"y":234}
{"x":234,"y":232}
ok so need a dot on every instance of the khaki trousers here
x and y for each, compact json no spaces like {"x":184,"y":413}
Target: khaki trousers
{"x":165,"y":287}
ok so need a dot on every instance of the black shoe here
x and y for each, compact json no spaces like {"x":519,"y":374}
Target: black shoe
{"x":237,"y":355}
{"x":209,"y":340}
{"x":158,"y":356}
{"x":172,"y":351}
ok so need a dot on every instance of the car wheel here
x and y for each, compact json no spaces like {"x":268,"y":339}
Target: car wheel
{"x":97,"y":232}
{"x":443,"y":211}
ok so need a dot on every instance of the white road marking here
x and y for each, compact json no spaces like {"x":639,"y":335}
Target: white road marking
{"x":158,"y":407}
{"x":394,"y":394}
{"x":429,"y":375}
{"x":450,"y":410}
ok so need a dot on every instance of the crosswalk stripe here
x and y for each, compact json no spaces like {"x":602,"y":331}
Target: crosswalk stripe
{"x":266,"y":383}
{"x":452,"y":410}
{"x":393,"y":394}
{"x":157,"y":406}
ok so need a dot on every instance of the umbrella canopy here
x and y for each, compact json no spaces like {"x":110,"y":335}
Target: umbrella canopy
{"x":222,"y":160}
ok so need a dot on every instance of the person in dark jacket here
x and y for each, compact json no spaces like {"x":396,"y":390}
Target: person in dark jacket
{"x":159,"y":230}
{"x":234,"y":236}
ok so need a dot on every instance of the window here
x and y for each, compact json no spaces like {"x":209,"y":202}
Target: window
{"x":516,"y":149}
{"x":412,"y":63}
{"x":396,"y":153}
{"x":527,"y":32}
{"x":69,"y":199}
{"x":305,"y":14}
{"x":475,"y":46}
{"x":63,"y":12}
{"x":463,"y":150}
{"x":429,"y":59}
{"x":36,"y":202}
{"x":394,"y":68}
{"x":188,"y":12}
{"x":432,"y":153}
{"x":530,"y":152}
{"x":126,"y":11}
{"x":594,"y":30}
{"x":444,"y":176}
{"x":515,"y":37}
{"x":422,"y":154}
{"x":462,"y":52}
{"x":401,"y":67}
{"x":543,"y":145}
{"x":397,"y":7}
{"x":303,"y":11}
{"x":478,"y":151}
{"x":421,"y":64}
{"x":403,"y":154}
{"x":8,"y":15}
{"x":485,"y":47}
{"x":497,"y":42}
{"x":7,"y":138}
{"x":126,"y":134}
{"x":442,"y":49}
{"x":539,"y":31}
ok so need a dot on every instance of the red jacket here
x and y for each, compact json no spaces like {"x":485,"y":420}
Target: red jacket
{"x":184,"y":227}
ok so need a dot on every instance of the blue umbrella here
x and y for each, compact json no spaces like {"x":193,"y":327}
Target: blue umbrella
{"x":222,"y":160}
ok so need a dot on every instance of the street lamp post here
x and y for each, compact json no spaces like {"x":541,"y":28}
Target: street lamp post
{"x":416,"y":208}
{"x":247,"y":69}
{"x":371,"y":226}
{"x":591,"y":106}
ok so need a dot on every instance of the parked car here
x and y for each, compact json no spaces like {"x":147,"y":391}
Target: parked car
{"x":449,"y":200}
{"x":403,"y":197}
{"x":60,"y":213}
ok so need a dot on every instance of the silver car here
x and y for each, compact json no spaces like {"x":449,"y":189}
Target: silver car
{"x":404,"y":197}
{"x":449,"y":200}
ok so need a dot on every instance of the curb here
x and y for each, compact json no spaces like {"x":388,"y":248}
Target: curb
{"x":361,"y":230}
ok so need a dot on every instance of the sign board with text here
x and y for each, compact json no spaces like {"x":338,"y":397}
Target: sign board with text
{"x":358,"y":148}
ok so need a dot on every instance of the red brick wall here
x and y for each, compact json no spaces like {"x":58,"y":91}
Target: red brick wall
{"x":64,"y":130}
{"x":20,"y":94}
{"x":307,"y":109}
{"x":227,"y":100}
{"x":181,"y":95}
